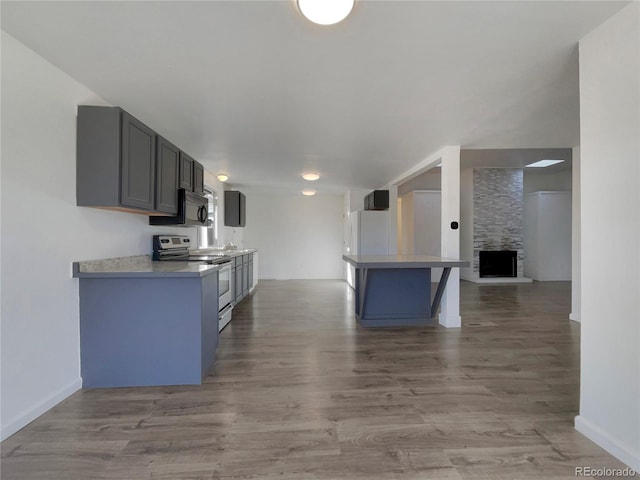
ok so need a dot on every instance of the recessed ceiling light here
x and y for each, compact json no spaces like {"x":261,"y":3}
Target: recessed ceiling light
{"x":223,"y":177}
{"x":310,"y":176}
{"x":325,"y":12}
{"x":544,"y":163}
{"x":308,"y":193}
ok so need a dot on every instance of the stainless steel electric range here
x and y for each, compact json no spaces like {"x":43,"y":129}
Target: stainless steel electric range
{"x":177,"y":248}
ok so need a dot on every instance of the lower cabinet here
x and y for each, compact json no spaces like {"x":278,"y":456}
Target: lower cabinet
{"x":254,"y":274}
{"x":237,"y":280}
{"x":147,"y":331}
{"x":244,"y":275}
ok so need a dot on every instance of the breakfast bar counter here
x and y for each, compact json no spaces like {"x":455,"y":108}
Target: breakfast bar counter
{"x":395,"y":290}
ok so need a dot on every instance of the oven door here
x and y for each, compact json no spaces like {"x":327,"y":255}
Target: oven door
{"x":224,"y":285}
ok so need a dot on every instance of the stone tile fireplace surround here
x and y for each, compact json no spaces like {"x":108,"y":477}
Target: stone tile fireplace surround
{"x":497,"y":215}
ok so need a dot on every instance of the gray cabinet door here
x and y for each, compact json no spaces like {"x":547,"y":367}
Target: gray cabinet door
{"x":238,"y":284}
{"x":138,"y":159}
{"x":250,"y":271}
{"x":198,"y":178}
{"x":245,"y":277}
{"x":234,"y":208}
{"x":209,"y":335}
{"x":186,"y":172}
{"x":167,"y":177}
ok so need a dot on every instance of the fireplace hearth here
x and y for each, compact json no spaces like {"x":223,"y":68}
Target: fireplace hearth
{"x":502,"y":263}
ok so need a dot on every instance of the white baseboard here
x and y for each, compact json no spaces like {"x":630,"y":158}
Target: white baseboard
{"x":450,"y":321}
{"x":611,"y":445}
{"x":574,"y":316}
{"x":29,"y":415}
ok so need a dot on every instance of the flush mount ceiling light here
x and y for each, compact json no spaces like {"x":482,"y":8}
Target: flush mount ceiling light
{"x":325,"y":12}
{"x":544,"y":163}
{"x":223,"y":177}
{"x":308,"y":193}
{"x":312,"y":177}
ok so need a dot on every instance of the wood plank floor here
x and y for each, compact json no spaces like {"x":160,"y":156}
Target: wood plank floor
{"x":301,"y":392}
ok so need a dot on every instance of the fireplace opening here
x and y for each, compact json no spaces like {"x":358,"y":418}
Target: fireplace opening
{"x":498,"y":263}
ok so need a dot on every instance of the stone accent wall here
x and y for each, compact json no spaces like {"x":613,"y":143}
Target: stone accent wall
{"x":497,"y":213}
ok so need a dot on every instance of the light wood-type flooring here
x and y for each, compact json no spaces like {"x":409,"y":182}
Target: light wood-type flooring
{"x":300,"y":391}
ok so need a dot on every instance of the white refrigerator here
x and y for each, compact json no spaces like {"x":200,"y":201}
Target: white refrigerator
{"x":368,"y":234}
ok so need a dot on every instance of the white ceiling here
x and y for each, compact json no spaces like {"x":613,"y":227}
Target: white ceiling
{"x":253,"y":89}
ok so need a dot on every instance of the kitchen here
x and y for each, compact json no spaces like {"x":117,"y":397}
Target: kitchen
{"x":40,"y":349}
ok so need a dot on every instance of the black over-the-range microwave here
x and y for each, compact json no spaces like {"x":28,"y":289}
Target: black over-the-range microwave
{"x":192,"y":211}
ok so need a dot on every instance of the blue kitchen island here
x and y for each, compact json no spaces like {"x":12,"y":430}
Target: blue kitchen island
{"x":395,"y":290}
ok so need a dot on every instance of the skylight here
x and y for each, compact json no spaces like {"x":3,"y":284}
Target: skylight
{"x":544,"y":163}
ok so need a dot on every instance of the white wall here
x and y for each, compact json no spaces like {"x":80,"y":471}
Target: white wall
{"x":429,"y":180}
{"x":393,"y":219}
{"x":43,"y":232}
{"x":537,"y":181}
{"x":420,"y":225}
{"x":547,"y":236}
{"x":449,"y":315}
{"x":610,"y":216}
{"x":297,"y":236}
{"x":575,"y":236}
{"x":354,"y":199}
{"x":421,"y":211}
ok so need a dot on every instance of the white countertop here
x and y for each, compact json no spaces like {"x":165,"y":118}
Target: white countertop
{"x":402,"y":261}
{"x":140,"y":266}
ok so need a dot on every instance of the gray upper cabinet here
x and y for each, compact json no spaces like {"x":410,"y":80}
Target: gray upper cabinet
{"x":377,"y":200}
{"x":123,"y":165}
{"x":186,"y":172}
{"x":168,"y":156}
{"x":138,"y":164}
{"x":191,"y":174}
{"x":198,"y":178}
{"x":116,"y":160}
{"x":234,"y":208}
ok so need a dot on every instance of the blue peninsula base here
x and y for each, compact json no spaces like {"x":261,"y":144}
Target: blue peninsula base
{"x":395,"y":290}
